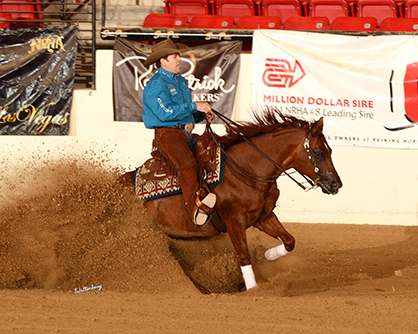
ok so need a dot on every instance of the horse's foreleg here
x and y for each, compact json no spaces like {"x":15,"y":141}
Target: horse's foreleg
{"x":249,"y":277}
{"x":274,"y":228}
{"x":238,"y":238}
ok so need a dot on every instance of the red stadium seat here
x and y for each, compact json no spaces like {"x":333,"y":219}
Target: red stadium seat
{"x":328,"y":8}
{"x":281,"y":8}
{"x":411,"y":8}
{"x":380,"y":9}
{"x":157,"y":20}
{"x":188,"y":7}
{"x":399,"y":24}
{"x":235,"y":8}
{"x":354,"y":24}
{"x":259,"y":22}
{"x":3,"y":18}
{"x":306,"y":23}
{"x":212,"y":22}
{"x":20,"y":12}
{"x":353,"y":6}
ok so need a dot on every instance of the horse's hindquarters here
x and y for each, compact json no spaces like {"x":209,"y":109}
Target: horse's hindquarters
{"x":170,"y":215}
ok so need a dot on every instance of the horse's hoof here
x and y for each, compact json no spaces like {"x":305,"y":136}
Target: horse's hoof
{"x":258,"y":254}
{"x":241,"y":287}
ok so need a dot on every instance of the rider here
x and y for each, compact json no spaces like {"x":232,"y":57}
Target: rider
{"x":169,"y":109}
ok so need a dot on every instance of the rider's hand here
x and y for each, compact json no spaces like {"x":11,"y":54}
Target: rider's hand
{"x":210,"y":116}
{"x":207,"y":109}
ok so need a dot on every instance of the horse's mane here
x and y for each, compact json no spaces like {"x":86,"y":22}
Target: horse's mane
{"x":266,"y":120}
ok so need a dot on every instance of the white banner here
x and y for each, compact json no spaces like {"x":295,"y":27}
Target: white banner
{"x":366,"y":88}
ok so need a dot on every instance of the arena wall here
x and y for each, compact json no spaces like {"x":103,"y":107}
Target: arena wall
{"x":380,"y":185}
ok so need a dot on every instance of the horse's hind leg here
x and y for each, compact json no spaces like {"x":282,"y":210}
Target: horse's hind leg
{"x":275,"y":229}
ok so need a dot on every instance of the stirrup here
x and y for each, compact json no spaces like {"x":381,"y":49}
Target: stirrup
{"x":206,"y":204}
{"x":204,"y":208}
{"x":201,"y":217}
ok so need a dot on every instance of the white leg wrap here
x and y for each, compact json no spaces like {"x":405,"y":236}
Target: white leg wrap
{"x":275,"y":252}
{"x":249,"y":278}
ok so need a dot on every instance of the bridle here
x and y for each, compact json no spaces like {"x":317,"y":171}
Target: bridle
{"x":307,"y":147}
{"x":262,"y":178}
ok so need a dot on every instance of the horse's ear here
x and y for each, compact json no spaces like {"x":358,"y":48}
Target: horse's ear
{"x":317,"y":127}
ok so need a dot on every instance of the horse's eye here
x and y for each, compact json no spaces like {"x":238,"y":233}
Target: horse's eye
{"x":318,"y":154}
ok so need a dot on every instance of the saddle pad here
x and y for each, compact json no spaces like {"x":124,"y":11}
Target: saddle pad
{"x":171,"y":185}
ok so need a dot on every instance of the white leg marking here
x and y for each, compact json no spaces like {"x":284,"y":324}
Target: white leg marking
{"x":275,"y":252}
{"x":249,"y":278}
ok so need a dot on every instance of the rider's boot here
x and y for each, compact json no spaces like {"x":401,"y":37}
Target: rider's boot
{"x":204,"y":208}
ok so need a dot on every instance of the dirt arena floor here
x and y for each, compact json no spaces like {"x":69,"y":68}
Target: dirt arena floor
{"x":78,"y":255}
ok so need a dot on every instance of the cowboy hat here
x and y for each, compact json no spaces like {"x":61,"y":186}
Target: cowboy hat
{"x":163,"y":49}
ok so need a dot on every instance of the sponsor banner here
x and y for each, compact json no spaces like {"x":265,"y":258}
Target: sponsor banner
{"x":366,"y":88}
{"x":211,"y":70}
{"x":37,"y":69}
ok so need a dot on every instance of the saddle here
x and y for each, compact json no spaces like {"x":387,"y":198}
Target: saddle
{"x":157,"y":177}
{"x":159,"y":167}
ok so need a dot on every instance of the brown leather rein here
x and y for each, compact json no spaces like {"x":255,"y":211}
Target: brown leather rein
{"x":260,"y":178}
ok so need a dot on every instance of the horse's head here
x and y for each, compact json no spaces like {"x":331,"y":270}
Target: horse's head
{"x":314,"y":160}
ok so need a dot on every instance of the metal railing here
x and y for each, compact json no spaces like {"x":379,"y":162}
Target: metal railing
{"x":80,"y":13}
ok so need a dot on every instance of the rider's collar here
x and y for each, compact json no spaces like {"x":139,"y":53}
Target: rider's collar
{"x":169,"y":74}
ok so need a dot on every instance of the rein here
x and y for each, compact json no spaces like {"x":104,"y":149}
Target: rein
{"x":260,"y":178}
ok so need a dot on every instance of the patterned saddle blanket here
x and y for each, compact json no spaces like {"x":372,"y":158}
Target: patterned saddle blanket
{"x":161,"y":184}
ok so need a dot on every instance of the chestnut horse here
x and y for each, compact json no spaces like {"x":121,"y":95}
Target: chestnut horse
{"x":242,"y":201}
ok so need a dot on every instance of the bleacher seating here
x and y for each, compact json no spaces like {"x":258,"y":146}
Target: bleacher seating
{"x":212,"y":22}
{"x":328,"y":8}
{"x":22,"y":13}
{"x":354,"y":24}
{"x":259,"y":22}
{"x":159,"y":20}
{"x":280,"y":8}
{"x":306,"y":23}
{"x":411,"y":8}
{"x":399,"y":24}
{"x":4,"y":18}
{"x":336,"y":15}
{"x":235,"y":8}
{"x":380,"y":9}
{"x":188,"y":7}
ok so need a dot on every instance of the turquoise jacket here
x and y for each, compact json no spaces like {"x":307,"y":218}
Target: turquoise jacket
{"x":167,"y":101}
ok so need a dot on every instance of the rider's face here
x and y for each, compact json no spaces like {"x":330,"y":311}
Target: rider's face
{"x":172,"y":64}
